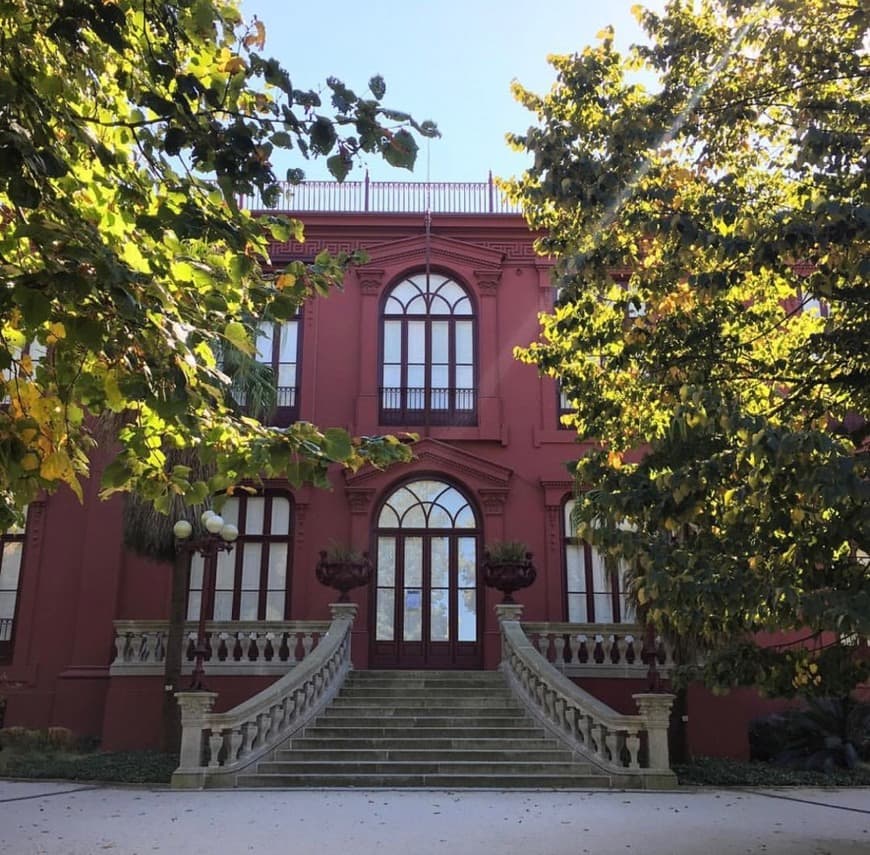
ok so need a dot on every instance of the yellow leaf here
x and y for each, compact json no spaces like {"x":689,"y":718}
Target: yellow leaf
{"x":285,"y":280}
{"x":57,"y":467}
{"x":234,"y":65}
{"x":114,"y":398}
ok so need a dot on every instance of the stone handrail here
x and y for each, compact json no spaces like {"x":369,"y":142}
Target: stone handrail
{"x":631,"y":749}
{"x":235,"y":647}
{"x":215,"y":747}
{"x":597,"y":649}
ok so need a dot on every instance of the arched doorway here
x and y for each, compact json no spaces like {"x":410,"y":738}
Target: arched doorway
{"x":426,"y":610}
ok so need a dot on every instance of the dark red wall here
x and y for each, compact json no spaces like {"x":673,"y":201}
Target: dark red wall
{"x":78,"y":579}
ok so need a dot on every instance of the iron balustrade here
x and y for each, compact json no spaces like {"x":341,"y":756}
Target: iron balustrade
{"x":285,"y":396}
{"x":411,"y":405}
{"x":388,"y":197}
{"x":6,"y":629}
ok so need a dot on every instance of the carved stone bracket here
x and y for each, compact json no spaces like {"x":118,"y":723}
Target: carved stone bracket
{"x":487,"y":281}
{"x":359,"y":499}
{"x":371,"y":281}
{"x":492,"y":501}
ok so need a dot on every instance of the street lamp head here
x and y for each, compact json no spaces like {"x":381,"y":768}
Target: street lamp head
{"x":214,"y":523}
{"x":229,"y":532}
{"x":182,"y":529}
{"x":206,"y":516}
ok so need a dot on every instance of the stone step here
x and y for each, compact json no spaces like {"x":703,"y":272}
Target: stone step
{"x":303,"y":754}
{"x":418,"y":767}
{"x":479,"y":701}
{"x":397,"y":718}
{"x":472,"y":681}
{"x":433,"y":729}
{"x":431,"y":781}
{"x":506,"y":732}
{"x":438,"y":692}
{"x":446,"y":741}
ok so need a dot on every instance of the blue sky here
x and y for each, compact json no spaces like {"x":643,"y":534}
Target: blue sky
{"x":451,"y":61}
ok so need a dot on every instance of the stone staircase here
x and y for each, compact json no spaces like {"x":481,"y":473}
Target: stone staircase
{"x":434,"y":729}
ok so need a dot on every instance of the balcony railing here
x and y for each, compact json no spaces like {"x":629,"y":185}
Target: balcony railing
{"x":389,"y":197}
{"x":409,"y":405}
{"x":597,"y":649}
{"x":234,"y":647}
{"x":6,"y":629}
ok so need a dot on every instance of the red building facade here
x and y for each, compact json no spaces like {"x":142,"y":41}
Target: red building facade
{"x":420,"y":339}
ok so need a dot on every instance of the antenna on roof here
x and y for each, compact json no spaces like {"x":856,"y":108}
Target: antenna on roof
{"x":427,"y":214}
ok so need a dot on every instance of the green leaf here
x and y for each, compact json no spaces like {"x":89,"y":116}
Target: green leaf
{"x":339,"y":165}
{"x":400,"y":150}
{"x":337,"y":444}
{"x":377,"y":86}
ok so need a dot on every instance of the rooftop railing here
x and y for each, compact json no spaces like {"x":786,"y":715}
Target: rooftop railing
{"x":389,"y":197}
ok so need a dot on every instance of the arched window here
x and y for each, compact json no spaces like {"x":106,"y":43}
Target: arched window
{"x":428,"y":353}
{"x":11,"y":557}
{"x":252,"y":581}
{"x":594,"y":593}
{"x":426,"y":589}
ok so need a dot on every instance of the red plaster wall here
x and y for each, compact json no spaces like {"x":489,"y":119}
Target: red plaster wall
{"x":77,"y":578}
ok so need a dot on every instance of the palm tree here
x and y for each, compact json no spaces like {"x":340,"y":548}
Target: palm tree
{"x":149,"y":533}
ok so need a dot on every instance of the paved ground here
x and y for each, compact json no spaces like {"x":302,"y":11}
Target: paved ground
{"x":69,"y":819}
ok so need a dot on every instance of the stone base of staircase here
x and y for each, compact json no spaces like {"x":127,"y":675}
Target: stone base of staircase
{"x":432,"y":729}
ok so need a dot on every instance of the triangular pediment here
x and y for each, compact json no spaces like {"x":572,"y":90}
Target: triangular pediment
{"x":434,"y":456}
{"x":444,"y":251}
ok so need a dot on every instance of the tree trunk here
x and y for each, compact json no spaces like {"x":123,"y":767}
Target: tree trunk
{"x":171,"y":731}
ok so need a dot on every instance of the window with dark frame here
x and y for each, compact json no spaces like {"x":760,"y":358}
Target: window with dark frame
{"x":278,"y":346}
{"x":593,"y":593}
{"x":11,"y":560}
{"x":428,"y":353}
{"x":251,"y":582}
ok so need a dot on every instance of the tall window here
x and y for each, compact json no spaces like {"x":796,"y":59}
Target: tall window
{"x":278,"y":347}
{"x":428,"y":353}
{"x":11,"y":554}
{"x":252,"y":581}
{"x":595,"y":594}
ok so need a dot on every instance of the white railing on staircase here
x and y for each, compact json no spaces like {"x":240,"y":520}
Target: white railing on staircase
{"x":215,"y":747}
{"x":632,"y":749}
{"x":235,"y":647}
{"x":597,"y":649}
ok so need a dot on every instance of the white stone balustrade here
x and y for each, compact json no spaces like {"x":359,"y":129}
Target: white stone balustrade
{"x":237,"y":647}
{"x":632,"y":749}
{"x":597,"y":649}
{"x":215,"y":747}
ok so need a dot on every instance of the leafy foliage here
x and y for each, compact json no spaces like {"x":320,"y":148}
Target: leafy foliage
{"x":720,"y":772}
{"x":506,"y":551}
{"x":830,"y":733}
{"x":712,"y":264}
{"x":127,"y":134}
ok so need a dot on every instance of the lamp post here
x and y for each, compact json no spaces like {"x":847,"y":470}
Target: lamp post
{"x":219,"y":537}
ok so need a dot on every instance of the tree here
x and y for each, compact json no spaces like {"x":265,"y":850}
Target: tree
{"x":127,"y":133}
{"x":711,"y":329}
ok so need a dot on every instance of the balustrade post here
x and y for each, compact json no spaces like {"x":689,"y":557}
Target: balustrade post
{"x":343,"y":610}
{"x":655,"y":710}
{"x":195,"y":707}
